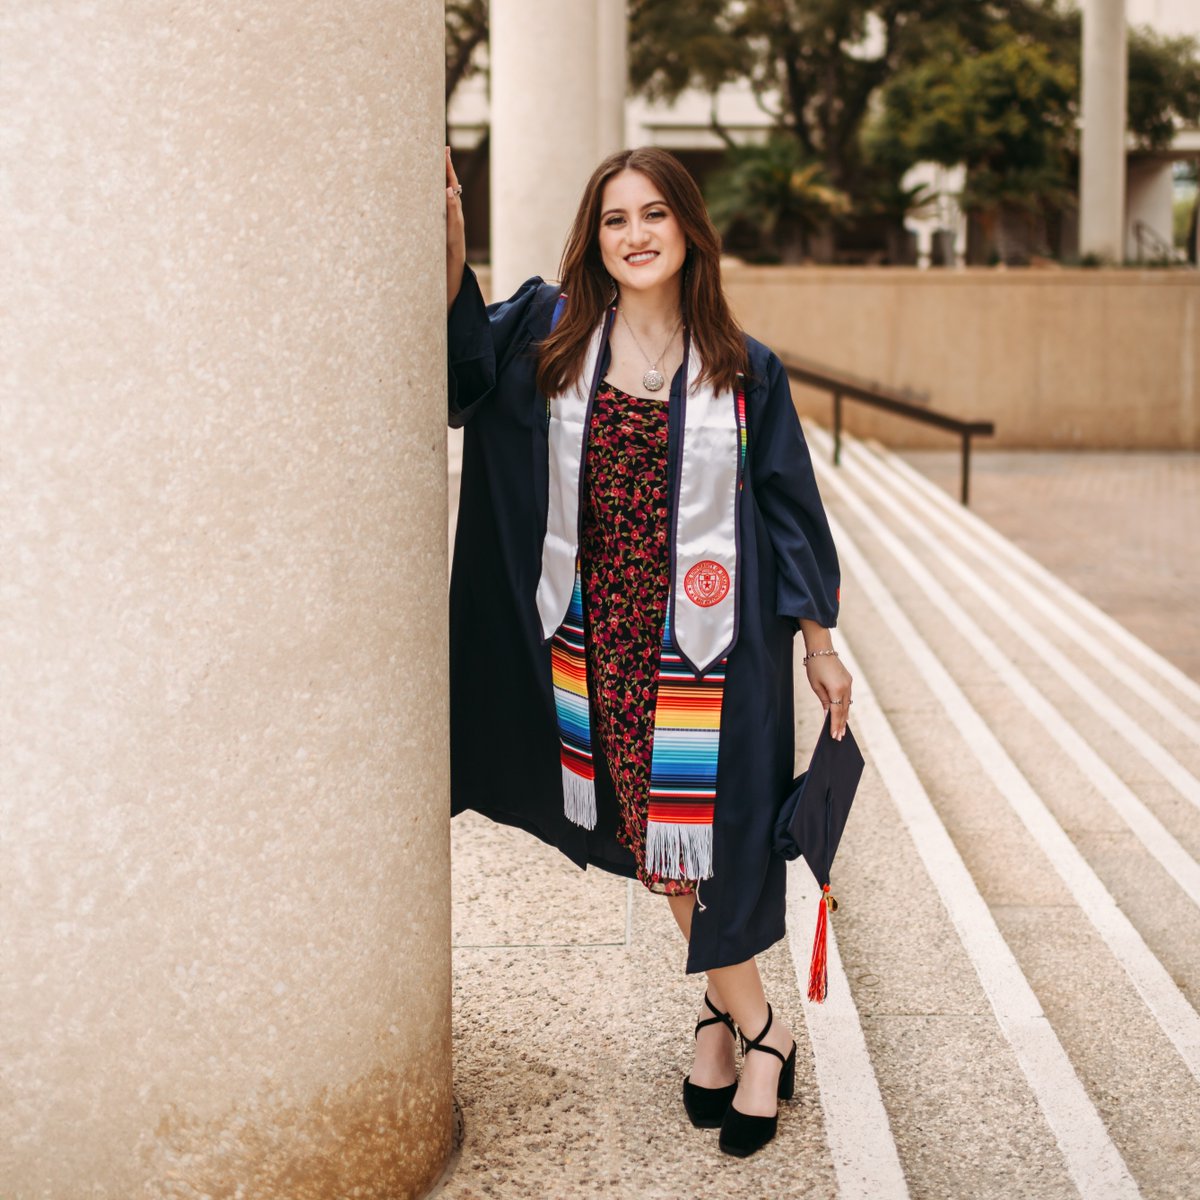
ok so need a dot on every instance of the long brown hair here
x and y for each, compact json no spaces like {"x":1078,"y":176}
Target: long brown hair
{"x":589,"y":287}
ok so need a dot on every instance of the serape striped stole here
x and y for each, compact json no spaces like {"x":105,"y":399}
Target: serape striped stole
{"x":687,"y":718}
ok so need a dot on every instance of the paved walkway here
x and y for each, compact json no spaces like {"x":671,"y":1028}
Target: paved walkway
{"x":1016,"y":959}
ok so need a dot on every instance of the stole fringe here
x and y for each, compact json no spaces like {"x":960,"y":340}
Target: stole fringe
{"x":668,"y":845}
{"x":579,"y":798}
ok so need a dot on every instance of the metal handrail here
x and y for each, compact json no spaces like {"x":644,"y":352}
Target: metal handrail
{"x":1162,"y":250}
{"x":846,"y":387}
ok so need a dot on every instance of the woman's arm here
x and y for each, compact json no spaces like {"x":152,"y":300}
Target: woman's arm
{"x":808,"y":576}
{"x":478,"y":336}
{"x":785,"y":488}
{"x":456,"y":234}
{"x":827,"y":677}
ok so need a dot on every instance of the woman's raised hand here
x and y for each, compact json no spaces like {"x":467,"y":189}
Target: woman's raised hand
{"x":456,"y":234}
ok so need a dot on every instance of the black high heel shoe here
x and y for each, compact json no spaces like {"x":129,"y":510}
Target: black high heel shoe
{"x":741,"y":1134}
{"x":706,"y":1106}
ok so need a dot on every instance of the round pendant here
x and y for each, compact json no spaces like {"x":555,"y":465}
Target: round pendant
{"x":653,"y":380}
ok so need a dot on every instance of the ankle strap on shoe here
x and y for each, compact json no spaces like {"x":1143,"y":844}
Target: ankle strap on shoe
{"x":755,"y":1043}
{"x":719,"y":1018}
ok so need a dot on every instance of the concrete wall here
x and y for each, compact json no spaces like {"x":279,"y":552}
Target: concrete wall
{"x":225,"y":916}
{"x":1098,"y":359}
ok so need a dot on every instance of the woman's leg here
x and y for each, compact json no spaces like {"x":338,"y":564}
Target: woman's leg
{"x":738,"y":990}
{"x":742,"y":991}
{"x":715,"y":1064}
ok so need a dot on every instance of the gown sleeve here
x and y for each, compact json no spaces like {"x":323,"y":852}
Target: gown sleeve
{"x":807,"y":572}
{"x":480,"y":340}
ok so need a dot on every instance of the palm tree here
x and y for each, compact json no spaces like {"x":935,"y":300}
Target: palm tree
{"x":775,"y":189}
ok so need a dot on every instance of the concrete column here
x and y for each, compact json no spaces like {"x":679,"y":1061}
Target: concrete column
{"x":555,"y":112}
{"x":612,"y":67}
{"x":1102,"y":147}
{"x":1150,"y":198}
{"x":225,"y":923}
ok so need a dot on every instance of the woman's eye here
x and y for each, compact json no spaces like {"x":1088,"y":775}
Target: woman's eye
{"x":613,"y":221}
{"x":656,"y":212}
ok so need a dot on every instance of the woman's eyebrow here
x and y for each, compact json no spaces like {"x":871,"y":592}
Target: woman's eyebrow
{"x":650,"y":204}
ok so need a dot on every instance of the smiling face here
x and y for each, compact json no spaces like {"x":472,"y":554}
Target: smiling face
{"x":641,"y":242}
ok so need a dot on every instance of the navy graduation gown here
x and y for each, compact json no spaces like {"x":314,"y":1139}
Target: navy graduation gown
{"x":504,"y":750}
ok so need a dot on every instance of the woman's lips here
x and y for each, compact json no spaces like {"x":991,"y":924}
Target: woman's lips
{"x":653,"y":254}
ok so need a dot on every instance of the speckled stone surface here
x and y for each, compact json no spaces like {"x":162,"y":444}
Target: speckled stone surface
{"x":225,"y":923}
{"x":962,"y":1115}
{"x":1004,"y":858}
{"x":569,"y":1057}
{"x":1122,"y":1057}
{"x":500,"y":900}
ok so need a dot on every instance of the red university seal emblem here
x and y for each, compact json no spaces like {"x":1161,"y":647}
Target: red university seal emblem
{"x":706,"y":584}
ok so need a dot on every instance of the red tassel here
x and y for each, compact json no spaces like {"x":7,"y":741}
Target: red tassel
{"x":817,"y":980}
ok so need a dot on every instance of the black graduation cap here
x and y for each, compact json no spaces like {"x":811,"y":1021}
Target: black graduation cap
{"x":811,"y":822}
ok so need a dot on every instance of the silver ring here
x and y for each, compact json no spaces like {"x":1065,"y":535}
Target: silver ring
{"x":458,"y":190}
{"x":837,"y":702}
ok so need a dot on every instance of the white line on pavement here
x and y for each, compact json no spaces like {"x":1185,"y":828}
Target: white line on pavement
{"x":1146,"y":827}
{"x":1175,"y":1016}
{"x":860,"y":1139}
{"x":1115,"y":632}
{"x":1046,"y":601}
{"x":1092,"y":1160}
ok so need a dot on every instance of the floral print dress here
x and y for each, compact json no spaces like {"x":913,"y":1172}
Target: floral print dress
{"x":625,"y":575}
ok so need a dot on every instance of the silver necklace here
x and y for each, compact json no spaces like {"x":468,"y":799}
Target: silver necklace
{"x":653,"y":379}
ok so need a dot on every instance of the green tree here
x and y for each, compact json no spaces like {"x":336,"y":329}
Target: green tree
{"x":1164,"y":86}
{"x":1163,"y":77}
{"x":779,"y":192}
{"x":466,"y":31}
{"x":466,"y":34}
{"x":820,"y":68}
{"x":815,"y":67}
{"x":1007,"y":114}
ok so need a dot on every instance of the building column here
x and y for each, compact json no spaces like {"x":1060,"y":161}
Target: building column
{"x":1150,"y":200}
{"x":1102,"y":148}
{"x":225,"y":926}
{"x":557,"y":108}
{"x":612,"y":82}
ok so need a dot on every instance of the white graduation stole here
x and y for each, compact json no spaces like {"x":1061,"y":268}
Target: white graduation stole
{"x":704,"y":530}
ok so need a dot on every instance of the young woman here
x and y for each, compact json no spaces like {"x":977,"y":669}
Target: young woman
{"x":639,"y":538}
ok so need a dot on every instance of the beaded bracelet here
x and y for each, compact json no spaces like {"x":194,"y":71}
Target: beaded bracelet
{"x":815,"y":653}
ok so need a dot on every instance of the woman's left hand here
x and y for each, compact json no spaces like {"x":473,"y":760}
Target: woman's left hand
{"x":831,"y":682}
